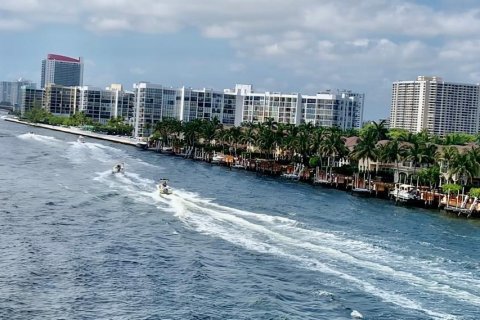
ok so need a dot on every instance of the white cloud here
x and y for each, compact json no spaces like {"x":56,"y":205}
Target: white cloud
{"x":108,"y":24}
{"x":137,"y":71}
{"x":236,"y":67}
{"x":328,"y":42}
{"x":13,"y":24}
{"x":216,"y":31}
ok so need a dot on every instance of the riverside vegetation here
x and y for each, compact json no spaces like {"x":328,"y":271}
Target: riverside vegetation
{"x":452,"y":161}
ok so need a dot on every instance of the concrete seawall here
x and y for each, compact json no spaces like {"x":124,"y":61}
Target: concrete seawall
{"x":77,"y":131}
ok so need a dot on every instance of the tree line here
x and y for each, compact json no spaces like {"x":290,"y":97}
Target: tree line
{"x":455,"y":158}
{"x":114,"y":126}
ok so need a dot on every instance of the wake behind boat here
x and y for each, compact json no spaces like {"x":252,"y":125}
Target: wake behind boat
{"x":164,"y":188}
{"x":118,"y":168}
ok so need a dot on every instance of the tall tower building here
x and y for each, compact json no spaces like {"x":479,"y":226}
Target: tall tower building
{"x":435,"y":105}
{"x":61,"y":70}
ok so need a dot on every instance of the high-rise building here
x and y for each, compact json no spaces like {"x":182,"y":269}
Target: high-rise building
{"x":123,"y":103}
{"x":62,"y":70}
{"x":207,"y":104}
{"x":10,"y":91}
{"x":30,"y":97}
{"x":343,"y":109}
{"x":61,"y":100}
{"x":103,"y":104}
{"x":435,"y":105}
{"x":153,"y":103}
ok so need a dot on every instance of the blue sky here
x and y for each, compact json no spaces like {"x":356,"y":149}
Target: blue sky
{"x":284,"y":45}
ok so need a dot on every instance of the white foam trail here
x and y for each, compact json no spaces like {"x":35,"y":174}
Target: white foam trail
{"x":326,"y":252}
{"x":49,"y":140}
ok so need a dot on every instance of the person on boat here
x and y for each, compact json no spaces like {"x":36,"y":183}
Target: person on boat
{"x":164,"y":184}
{"x":118,"y":167}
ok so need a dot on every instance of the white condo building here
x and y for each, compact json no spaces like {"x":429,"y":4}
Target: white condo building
{"x":103,"y":104}
{"x":435,"y":105}
{"x":150,"y":103}
{"x":343,"y":109}
{"x":154,"y":102}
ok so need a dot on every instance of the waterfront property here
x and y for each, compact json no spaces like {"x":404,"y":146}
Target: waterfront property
{"x":432,"y":104}
{"x":404,"y":171}
{"x":150,"y":103}
{"x":113,"y":234}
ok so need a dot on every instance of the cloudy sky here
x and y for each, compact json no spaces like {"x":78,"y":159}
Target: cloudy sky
{"x":276,"y":45}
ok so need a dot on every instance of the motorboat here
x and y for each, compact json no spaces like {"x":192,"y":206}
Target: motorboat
{"x":118,"y":168}
{"x":142,"y":145}
{"x":295,"y":175}
{"x":81,"y":139}
{"x":168,"y":150}
{"x":405,"y":193}
{"x":163,"y":187}
{"x":218,"y":158}
{"x":362,"y":192}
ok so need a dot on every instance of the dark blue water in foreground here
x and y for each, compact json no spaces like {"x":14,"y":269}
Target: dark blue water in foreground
{"x":77,"y":242}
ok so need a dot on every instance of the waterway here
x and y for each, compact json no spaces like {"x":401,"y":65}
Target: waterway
{"x":78,"y":242}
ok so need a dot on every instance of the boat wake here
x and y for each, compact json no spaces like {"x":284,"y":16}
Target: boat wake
{"x":79,"y":152}
{"x":352,"y":261}
{"x":48,"y":140}
{"x":349,"y":260}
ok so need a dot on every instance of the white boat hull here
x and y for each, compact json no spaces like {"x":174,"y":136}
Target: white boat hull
{"x":164,"y":190}
{"x":117,"y":169}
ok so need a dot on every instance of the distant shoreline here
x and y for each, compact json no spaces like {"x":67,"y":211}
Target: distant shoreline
{"x":383,"y":193}
{"x":77,"y":131}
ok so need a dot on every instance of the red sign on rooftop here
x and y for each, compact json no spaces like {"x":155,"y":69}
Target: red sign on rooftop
{"x":58,"y":57}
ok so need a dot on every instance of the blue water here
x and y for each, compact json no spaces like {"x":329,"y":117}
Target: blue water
{"x":77,"y":242}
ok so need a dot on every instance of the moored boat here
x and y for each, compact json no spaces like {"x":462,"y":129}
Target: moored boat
{"x":362,"y":192}
{"x":406,"y":193}
{"x":142,"y":145}
{"x":218,"y":158}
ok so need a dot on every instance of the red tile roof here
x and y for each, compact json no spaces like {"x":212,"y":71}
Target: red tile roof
{"x":58,"y":57}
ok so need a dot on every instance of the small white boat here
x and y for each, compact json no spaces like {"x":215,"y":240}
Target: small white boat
{"x":142,"y":145}
{"x":291,"y":176}
{"x":81,"y":139}
{"x":218,"y":158}
{"x":118,"y":168}
{"x":168,"y":150}
{"x":164,"y":188}
{"x":405,"y":193}
{"x":362,"y":192}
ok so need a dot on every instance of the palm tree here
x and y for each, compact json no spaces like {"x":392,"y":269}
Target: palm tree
{"x":416,"y":155}
{"x":380,"y":129}
{"x":191,"y":131}
{"x":266,"y":140}
{"x":446,"y":158}
{"x":430,"y":153}
{"x":423,"y":137}
{"x":394,"y":152}
{"x":249,"y":134}
{"x":333,"y":146}
{"x":288,"y":141}
{"x":235,"y":134}
{"x":464,"y":168}
{"x":365,"y":149}
{"x":209,"y":131}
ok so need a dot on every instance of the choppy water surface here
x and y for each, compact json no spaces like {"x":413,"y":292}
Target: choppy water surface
{"x":77,"y":242}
